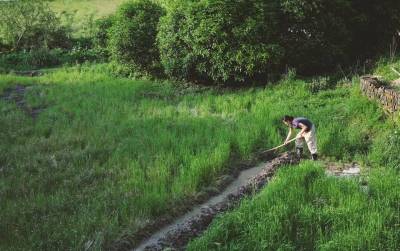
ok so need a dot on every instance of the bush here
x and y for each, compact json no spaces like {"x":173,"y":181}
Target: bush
{"x":133,"y":36}
{"x":221,"y":41}
{"x":41,"y":58}
{"x":320,"y":83}
{"x":28,"y":24}
{"x":102,"y":26}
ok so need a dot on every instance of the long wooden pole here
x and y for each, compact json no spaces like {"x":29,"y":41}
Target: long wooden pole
{"x":275,"y":148}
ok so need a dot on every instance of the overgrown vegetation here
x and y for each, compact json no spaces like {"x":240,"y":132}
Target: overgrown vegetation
{"x":202,"y":41}
{"x":208,"y":41}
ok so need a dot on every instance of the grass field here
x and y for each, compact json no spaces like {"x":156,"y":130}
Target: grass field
{"x":84,"y":13}
{"x":303,"y":209}
{"x":109,"y":155}
{"x":98,"y":8}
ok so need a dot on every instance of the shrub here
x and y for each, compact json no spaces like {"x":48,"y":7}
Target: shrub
{"x":174,"y":51}
{"x":320,"y":83}
{"x":28,"y":24}
{"x":221,"y":41}
{"x":100,"y":37}
{"x":43,"y":57}
{"x":30,"y":60}
{"x":133,"y":36}
{"x":102,"y":26}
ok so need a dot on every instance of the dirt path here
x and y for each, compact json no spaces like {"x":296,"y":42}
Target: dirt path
{"x":16,"y":94}
{"x":176,"y":235}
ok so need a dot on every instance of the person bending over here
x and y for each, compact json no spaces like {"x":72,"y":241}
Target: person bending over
{"x":307,"y":133}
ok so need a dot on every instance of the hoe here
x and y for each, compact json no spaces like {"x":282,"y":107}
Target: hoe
{"x":276,"y":148}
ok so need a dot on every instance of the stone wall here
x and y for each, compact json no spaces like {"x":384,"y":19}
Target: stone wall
{"x":373,"y":88}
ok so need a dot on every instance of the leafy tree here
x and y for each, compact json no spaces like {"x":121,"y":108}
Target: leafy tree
{"x":26,"y":24}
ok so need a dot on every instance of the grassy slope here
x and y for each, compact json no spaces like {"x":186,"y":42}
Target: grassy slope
{"x":109,"y":155}
{"x":98,"y":8}
{"x":84,"y":13}
{"x":302,"y":209}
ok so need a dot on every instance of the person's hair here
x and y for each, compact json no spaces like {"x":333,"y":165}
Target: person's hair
{"x":287,"y":118}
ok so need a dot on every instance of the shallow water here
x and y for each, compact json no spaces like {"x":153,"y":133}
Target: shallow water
{"x":240,"y":181}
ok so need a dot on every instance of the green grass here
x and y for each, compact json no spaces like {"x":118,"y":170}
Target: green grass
{"x":98,"y":8}
{"x":81,"y":14}
{"x":109,"y":155}
{"x":384,"y":69}
{"x":303,"y":209}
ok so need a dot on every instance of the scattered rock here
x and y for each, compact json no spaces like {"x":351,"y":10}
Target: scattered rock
{"x":343,"y":170}
{"x":374,"y":88}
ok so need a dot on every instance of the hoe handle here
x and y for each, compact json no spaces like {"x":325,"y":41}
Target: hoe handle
{"x":284,"y":144}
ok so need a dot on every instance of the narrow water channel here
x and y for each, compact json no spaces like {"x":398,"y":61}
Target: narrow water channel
{"x":255,"y":177}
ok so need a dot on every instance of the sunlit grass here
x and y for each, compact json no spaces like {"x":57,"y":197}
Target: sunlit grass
{"x":110,"y":155}
{"x":303,"y":209}
{"x":99,"y":8}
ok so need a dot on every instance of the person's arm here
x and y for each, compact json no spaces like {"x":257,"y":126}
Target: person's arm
{"x":304,"y":128}
{"x":289,"y":135}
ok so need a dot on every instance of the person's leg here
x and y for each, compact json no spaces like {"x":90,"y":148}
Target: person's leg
{"x":299,"y":147}
{"x":311,"y":140}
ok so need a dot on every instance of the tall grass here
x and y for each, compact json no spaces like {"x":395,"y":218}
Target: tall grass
{"x":109,"y":155}
{"x":303,"y":209}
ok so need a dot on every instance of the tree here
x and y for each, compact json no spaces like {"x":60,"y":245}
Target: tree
{"x":26,"y":24}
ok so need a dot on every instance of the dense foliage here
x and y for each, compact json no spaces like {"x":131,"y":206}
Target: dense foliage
{"x":221,"y":41}
{"x":319,"y":34}
{"x":133,"y":36}
{"x":244,"y":41}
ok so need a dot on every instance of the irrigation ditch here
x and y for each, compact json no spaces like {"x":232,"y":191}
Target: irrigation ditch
{"x":177,"y":234}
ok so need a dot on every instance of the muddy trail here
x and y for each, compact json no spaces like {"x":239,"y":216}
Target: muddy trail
{"x":177,"y":234}
{"x":17,"y":94}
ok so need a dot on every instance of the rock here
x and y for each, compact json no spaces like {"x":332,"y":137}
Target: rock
{"x":374,"y":88}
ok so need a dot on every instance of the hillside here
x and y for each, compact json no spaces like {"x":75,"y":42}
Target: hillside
{"x":98,"y":8}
